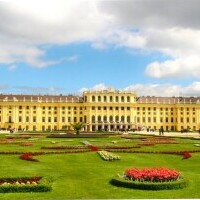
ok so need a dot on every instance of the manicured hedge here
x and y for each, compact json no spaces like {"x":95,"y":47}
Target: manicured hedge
{"x":120,"y":182}
{"x":42,"y":186}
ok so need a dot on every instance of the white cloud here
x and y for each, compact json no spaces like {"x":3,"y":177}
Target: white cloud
{"x":153,"y":25}
{"x":163,"y":90}
{"x":72,"y":58}
{"x":28,"y":25}
{"x":98,"y":87}
{"x":12,"y":67}
{"x":36,"y":90}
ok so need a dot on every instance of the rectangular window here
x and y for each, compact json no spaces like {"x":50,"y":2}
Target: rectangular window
{"x":69,"y":119}
{"x":74,"y":119}
{"x":20,"y":118}
{"x":149,"y":119}
{"x":116,"y":99}
{"x":34,"y":119}
{"x":43,"y":119}
{"x":138,"y":119}
{"x":27,"y":119}
{"x":161,"y":119}
{"x":55,"y":119}
{"x":63,"y":119}
{"x":154,"y":119}
{"x":49,"y":119}
{"x":99,"y":108}
{"x":181,"y":119}
{"x":143,"y":119}
{"x":194,"y":120}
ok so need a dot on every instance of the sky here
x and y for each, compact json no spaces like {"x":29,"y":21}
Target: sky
{"x":65,"y":47}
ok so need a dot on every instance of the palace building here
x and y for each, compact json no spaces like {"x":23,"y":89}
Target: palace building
{"x":109,"y":110}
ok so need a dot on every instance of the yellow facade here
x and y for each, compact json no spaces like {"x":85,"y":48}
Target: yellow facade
{"x":108,"y":110}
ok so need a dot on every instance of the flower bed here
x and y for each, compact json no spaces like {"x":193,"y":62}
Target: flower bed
{"x":151,"y":174}
{"x":24,"y":144}
{"x":108,"y":156}
{"x":150,"y":179}
{"x":92,"y":148}
{"x":65,"y":147}
{"x":117,"y":147}
{"x":24,"y":184}
{"x":28,"y":156}
{"x":156,"y":140}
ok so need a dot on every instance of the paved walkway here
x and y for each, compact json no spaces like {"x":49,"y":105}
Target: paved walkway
{"x":189,"y":134}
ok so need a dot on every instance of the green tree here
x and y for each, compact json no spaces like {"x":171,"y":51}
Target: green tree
{"x":77,"y":126}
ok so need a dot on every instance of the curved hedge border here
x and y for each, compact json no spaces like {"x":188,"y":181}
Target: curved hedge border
{"x":120,"y":182}
{"x":42,"y":186}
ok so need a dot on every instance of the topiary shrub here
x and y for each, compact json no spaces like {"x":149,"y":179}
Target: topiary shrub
{"x":150,"y":179}
{"x":25,"y":184}
{"x":121,"y":182}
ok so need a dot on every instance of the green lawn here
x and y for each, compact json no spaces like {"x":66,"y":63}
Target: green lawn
{"x":87,"y":176}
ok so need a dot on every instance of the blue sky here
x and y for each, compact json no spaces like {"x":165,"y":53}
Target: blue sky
{"x":71,"y":46}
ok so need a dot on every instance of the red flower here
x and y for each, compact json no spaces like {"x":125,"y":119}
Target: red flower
{"x":186,"y":155}
{"x":151,"y":174}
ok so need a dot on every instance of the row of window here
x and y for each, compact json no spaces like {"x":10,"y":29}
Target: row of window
{"x":162,"y":109}
{"x":110,"y":119}
{"x":161,"y":113}
{"x":166,"y":119}
{"x":109,"y":99}
{"x":44,"y":119}
{"x":110,"y":108}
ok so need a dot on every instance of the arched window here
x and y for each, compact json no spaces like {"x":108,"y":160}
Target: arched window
{"x":128,"y":99}
{"x":105,"y":118}
{"x":117,"y":118}
{"x":128,"y":119}
{"x":93,"y":98}
{"x":99,"y":98}
{"x":99,"y":118}
{"x":122,"y":118}
{"x":111,"y":118}
{"x":122,"y":99}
